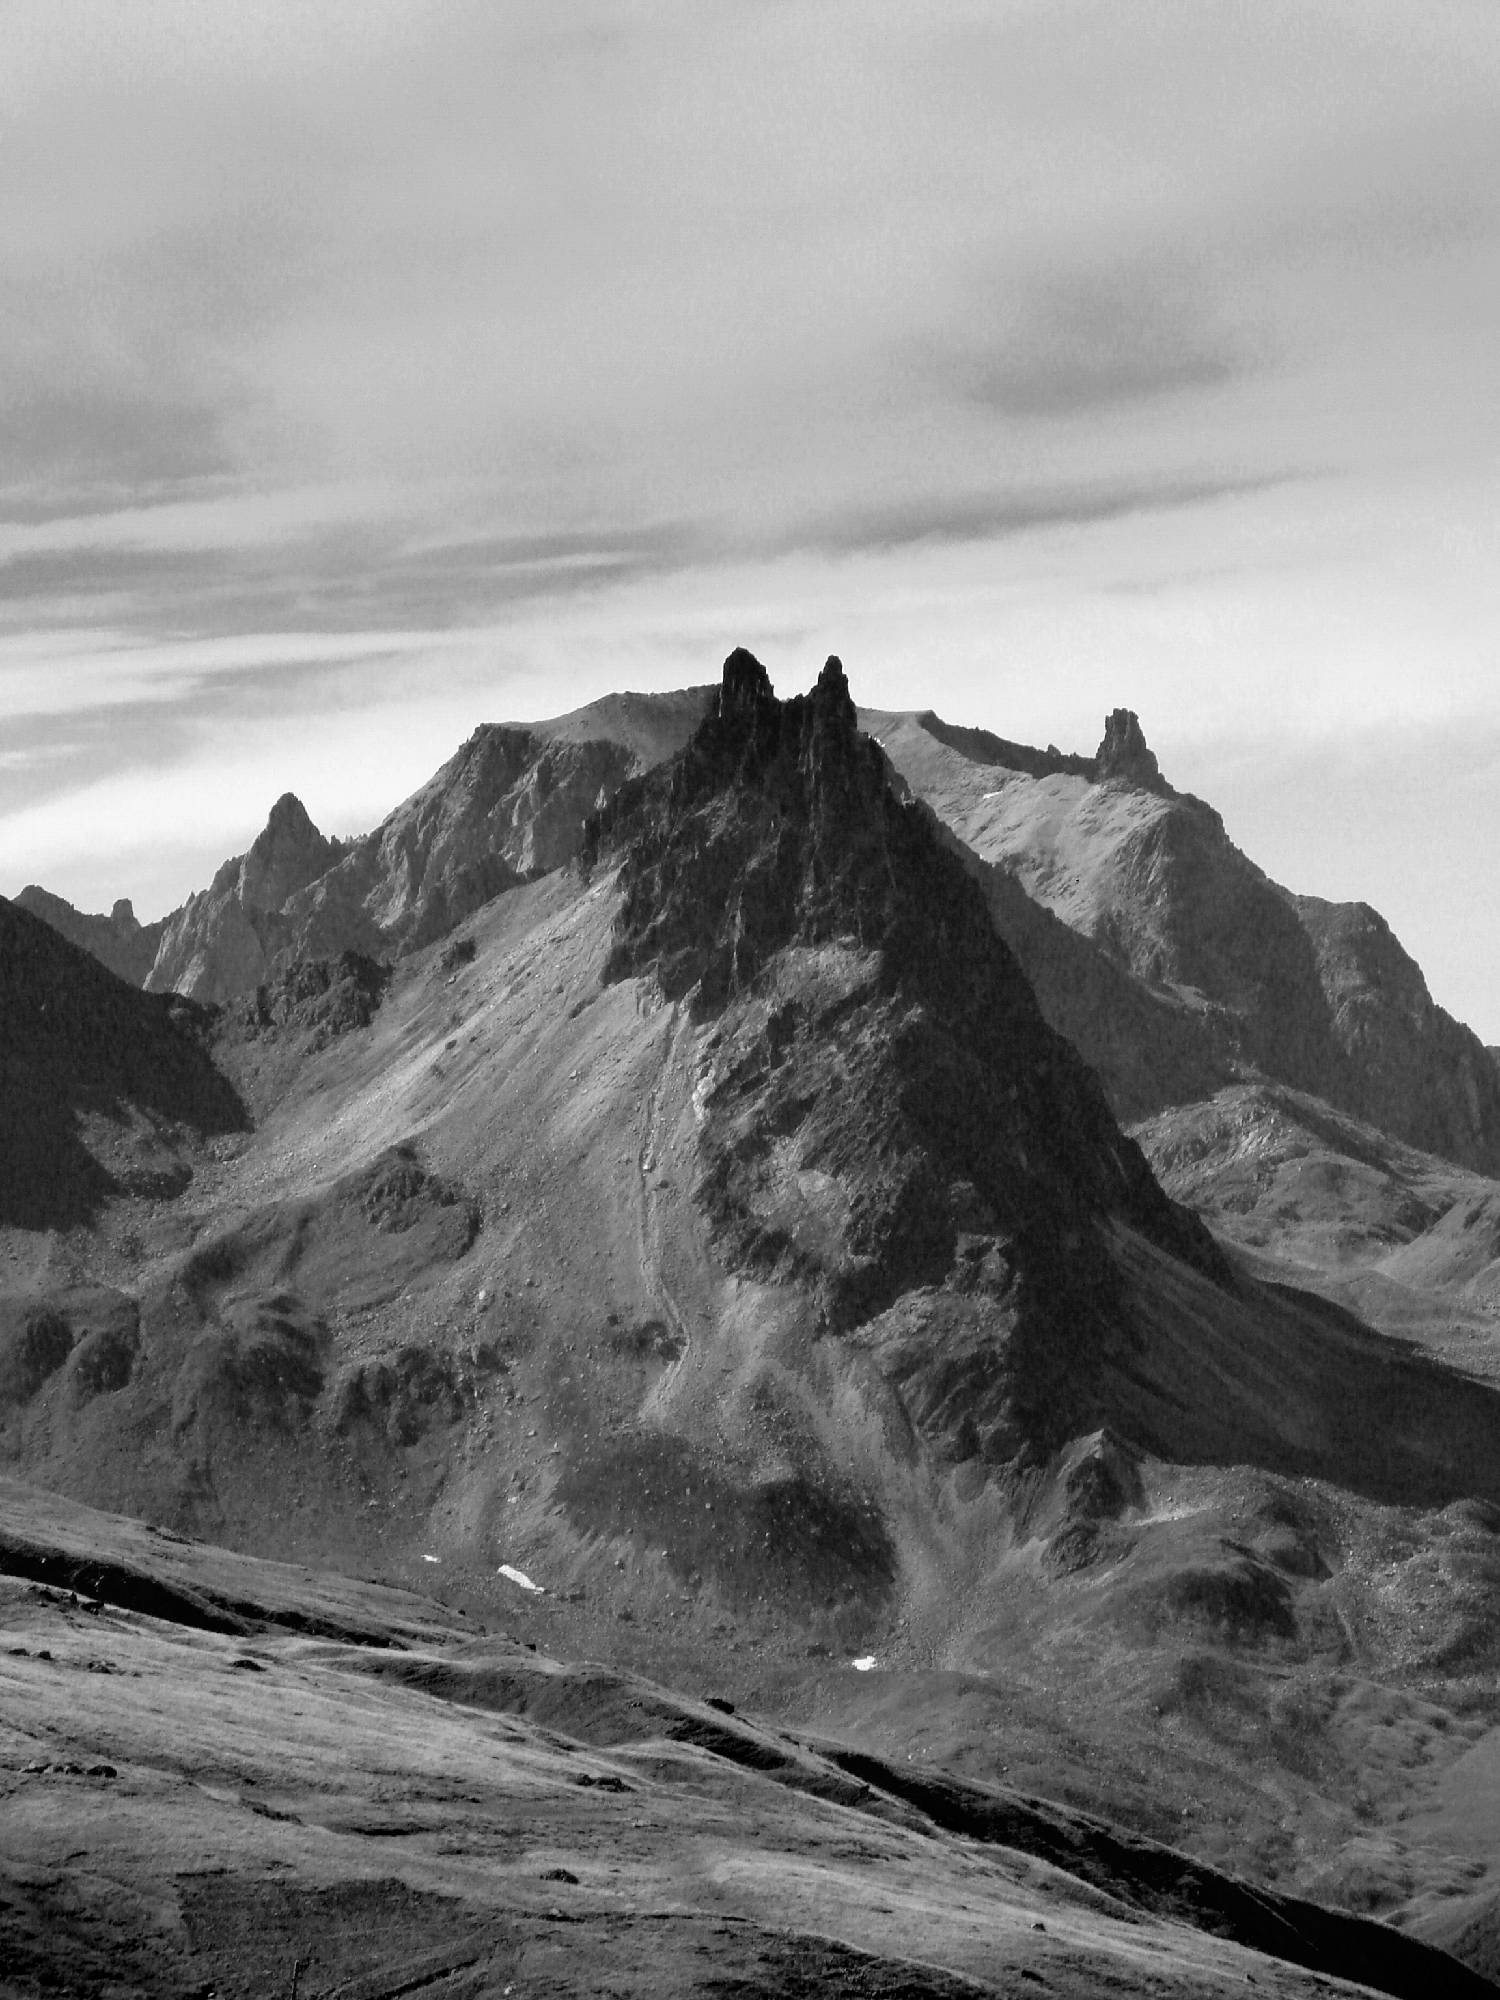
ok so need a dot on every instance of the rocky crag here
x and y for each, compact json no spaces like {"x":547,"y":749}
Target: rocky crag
{"x":225,"y":938}
{"x":873,"y":1030}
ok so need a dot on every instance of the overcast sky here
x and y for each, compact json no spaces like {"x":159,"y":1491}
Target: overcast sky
{"x":370,"y":371}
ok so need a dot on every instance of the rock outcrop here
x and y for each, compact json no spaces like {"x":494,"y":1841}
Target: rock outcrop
{"x":224,"y":940}
{"x":1125,"y":753}
{"x":1410,"y":1068}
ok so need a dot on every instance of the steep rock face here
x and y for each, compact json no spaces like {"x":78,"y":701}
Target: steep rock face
{"x":223,"y":940}
{"x":1147,"y":1045}
{"x":1235,"y":978}
{"x":510,"y":805}
{"x":127,"y":946}
{"x":884,"y":1106}
{"x":1412,"y":1069}
{"x":288,"y":853}
{"x":78,"y":1044}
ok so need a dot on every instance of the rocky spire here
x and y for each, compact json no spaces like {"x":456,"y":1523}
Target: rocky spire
{"x":745,"y":692}
{"x":1125,"y":753}
{"x":287,"y":854}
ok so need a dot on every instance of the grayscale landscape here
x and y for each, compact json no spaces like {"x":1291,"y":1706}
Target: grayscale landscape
{"x":749,"y":1042}
{"x":673,"y":1379}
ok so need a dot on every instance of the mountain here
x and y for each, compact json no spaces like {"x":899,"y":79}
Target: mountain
{"x":1318,"y":1199}
{"x":225,"y":938}
{"x":119,"y":941}
{"x":709,"y":1259}
{"x":1163,"y":955}
{"x":102,"y":1088}
{"x":1237,"y":978}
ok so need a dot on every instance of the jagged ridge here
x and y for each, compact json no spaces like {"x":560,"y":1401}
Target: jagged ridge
{"x":868,"y":1016}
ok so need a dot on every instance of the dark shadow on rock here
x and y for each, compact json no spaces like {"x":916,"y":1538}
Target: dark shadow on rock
{"x":75,"y":1040}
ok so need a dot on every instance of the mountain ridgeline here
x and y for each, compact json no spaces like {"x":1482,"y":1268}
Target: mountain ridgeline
{"x":508,"y":806}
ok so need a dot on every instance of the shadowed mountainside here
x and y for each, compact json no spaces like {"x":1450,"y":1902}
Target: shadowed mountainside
{"x":871,"y":1026}
{"x":78,"y":1044}
{"x":119,"y":940}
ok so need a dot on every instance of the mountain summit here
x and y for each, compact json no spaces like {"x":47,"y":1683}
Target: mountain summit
{"x":225,"y":938}
{"x":872,"y":1036}
{"x":287,"y":854}
{"x":1125,"y":753}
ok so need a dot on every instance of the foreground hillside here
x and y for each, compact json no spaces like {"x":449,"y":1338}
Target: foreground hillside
{"x":226,"y":1776}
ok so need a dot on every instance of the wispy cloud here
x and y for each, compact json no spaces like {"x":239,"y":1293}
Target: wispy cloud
{"x":1118,"y":343}
{"x":1087,"y":340}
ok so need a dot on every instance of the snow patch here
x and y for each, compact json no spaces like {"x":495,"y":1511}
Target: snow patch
{"x":519,"y":1576}
{"x":863,"y":1666}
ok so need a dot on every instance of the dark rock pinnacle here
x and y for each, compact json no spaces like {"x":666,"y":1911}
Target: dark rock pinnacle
{"x":1125,"y":753}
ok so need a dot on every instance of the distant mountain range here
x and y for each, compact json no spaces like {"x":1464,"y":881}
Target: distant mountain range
{"x":510,"y":805}
{"x":1171,"y":962}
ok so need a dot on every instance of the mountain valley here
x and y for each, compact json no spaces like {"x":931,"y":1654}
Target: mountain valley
{"x":912,"y":1237}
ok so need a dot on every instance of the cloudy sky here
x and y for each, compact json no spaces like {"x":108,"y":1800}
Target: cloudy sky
{"x":372,"y":370}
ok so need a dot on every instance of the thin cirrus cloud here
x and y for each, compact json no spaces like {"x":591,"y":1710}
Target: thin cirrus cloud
{"x":1014,"y":346}
{"x":1088,"y":341}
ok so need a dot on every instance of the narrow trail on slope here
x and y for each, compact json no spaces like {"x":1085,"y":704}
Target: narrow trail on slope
{"x":651,"y":1225}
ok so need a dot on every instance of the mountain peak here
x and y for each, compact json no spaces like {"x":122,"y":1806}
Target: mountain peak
{"x":1125,"y":753}
{"x":864,"y":1007}
{"x":287,"y":854}
{"x":289,"y":815}
{"x":746,"y":688}
{"x":832,"y":691}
